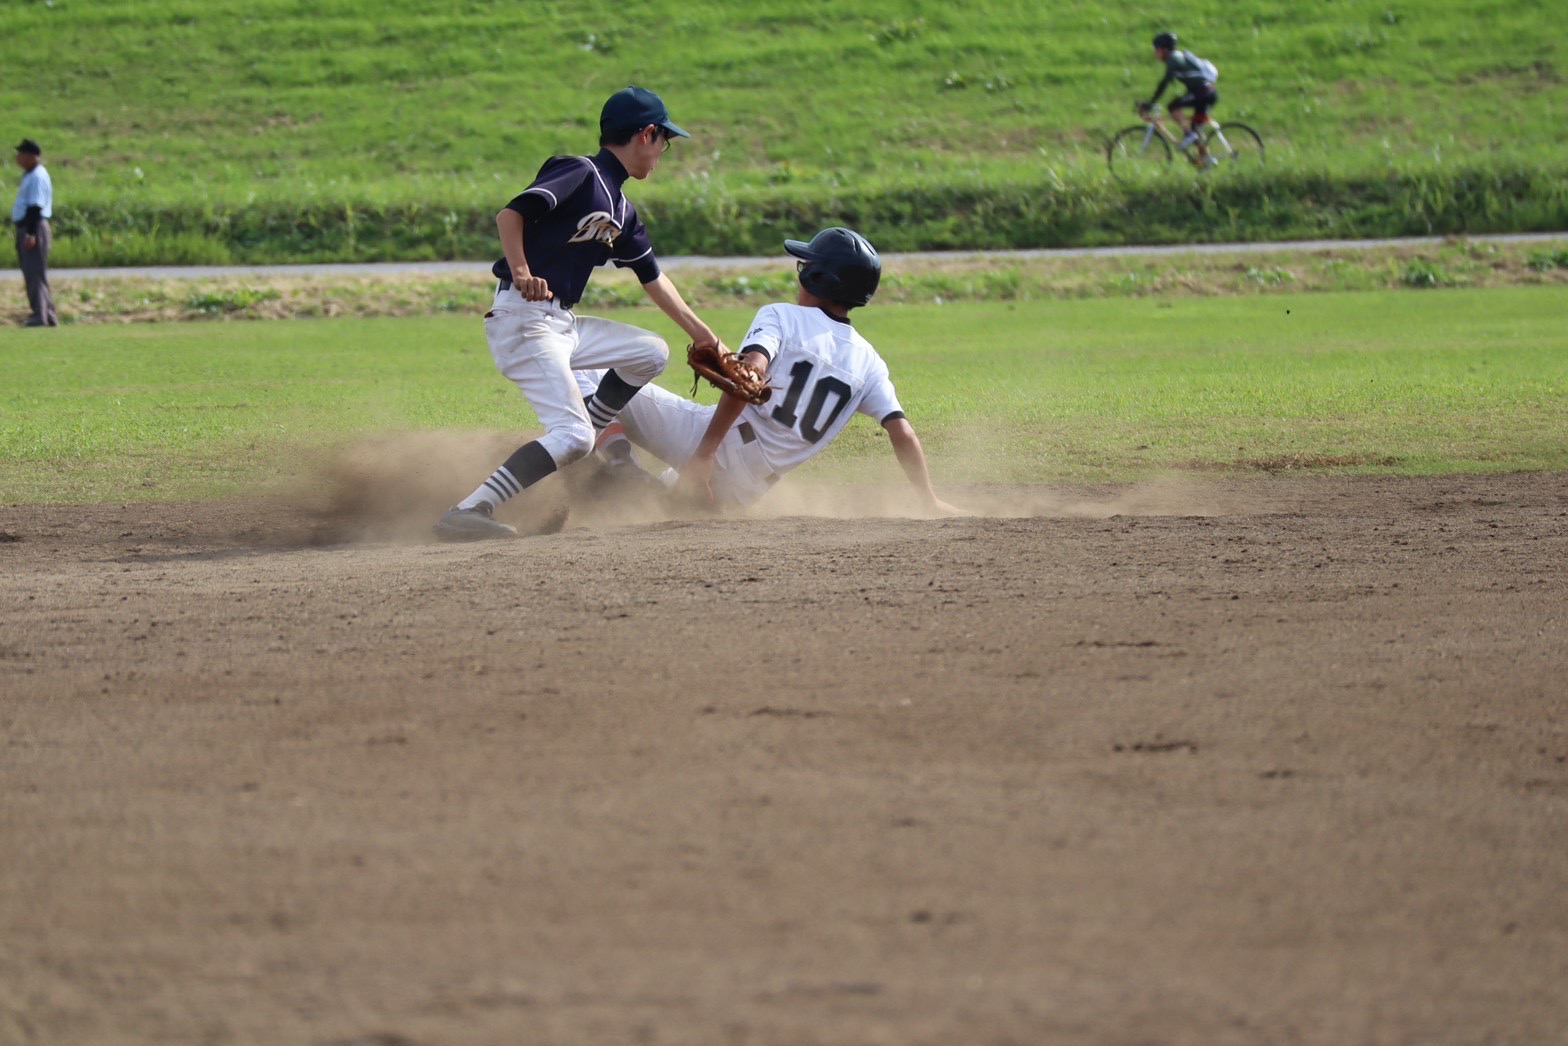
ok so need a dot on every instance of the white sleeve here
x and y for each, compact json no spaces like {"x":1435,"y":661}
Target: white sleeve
{"x":766,"y":332}
{"x":880,"y":402}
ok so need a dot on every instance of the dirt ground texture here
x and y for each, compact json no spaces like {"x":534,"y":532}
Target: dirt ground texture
{"x":1279,"y":759}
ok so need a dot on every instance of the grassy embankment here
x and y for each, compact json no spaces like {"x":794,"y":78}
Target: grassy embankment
{"x":1099,"y":389}
{"x":269,"y":130}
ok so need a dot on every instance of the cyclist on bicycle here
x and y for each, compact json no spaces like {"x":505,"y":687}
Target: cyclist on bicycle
{"x":1197,"y":76}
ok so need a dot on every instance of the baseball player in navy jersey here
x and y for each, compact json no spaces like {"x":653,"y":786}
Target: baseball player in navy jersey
{"x":573,"y":218}
{"x":823,"y":370}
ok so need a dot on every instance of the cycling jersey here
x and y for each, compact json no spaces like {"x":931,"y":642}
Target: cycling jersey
{"x":1194,"y":73}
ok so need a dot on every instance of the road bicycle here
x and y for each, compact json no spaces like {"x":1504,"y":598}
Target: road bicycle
{"x":1152,"y":145}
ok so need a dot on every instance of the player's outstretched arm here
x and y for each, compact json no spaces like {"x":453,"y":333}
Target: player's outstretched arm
{"x":667,"y":298}
{"x":906,"y":447}
{"x":696,"y":476}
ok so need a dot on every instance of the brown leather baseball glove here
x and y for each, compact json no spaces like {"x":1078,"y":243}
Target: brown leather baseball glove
{"x":729,"y":372}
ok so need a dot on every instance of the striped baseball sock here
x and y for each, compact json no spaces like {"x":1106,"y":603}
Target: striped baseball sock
{"x":608,"y":400}
{"x":528,"y":465}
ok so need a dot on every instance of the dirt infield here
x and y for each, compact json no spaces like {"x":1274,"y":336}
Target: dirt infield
{"x":1272,"y":760}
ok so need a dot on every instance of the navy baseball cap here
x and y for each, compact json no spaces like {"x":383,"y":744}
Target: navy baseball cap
{"x":29,"y":146}
{"x":632,"y":109}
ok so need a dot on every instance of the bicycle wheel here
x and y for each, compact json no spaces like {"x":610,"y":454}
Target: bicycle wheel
{"x":1137,"y":148}
{"x":1235,"y":145}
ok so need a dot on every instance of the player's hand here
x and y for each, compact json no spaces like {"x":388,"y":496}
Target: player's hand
{"x":29,"y":242}
{"x":695,"y":482}
{"x":707,"y":339}
{"x":533,"y":288}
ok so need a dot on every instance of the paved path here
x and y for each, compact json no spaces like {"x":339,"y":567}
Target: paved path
{"x":689,"y":262}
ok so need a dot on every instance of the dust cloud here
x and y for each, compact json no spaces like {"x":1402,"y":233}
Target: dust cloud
{"x":393,"y":486}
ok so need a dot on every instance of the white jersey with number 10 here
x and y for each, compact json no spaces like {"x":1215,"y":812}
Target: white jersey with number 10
{"x":823,"y":372}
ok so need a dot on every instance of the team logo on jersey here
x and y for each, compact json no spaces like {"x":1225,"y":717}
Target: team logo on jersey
{"x":596,"y":225}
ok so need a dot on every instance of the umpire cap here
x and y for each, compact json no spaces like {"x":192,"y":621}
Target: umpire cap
{"x":632,"y":109}
{"x":840,"y":265}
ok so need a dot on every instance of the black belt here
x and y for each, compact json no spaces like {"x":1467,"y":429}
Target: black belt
{"x":506,"y":285}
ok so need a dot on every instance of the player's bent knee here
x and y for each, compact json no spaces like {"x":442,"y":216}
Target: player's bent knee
{"x":568,"y":443}
{"x":646,"y":360}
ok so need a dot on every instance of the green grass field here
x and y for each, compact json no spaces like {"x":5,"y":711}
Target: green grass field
{"x":1031,"y":392}
{"x":214,"y":130}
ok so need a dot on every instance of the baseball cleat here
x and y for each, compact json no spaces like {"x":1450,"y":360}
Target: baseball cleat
{"x":472,"y":524}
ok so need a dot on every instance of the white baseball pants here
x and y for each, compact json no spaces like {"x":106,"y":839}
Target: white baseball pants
{"x":537,"y":345}
{"x":669,"y":427}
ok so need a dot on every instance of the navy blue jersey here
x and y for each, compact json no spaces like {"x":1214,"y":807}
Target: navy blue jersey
{"x":576,"y":218}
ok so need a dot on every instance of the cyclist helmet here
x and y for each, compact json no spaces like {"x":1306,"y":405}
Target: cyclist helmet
{"x":838,"y":265}
{"x":1166,"y":40}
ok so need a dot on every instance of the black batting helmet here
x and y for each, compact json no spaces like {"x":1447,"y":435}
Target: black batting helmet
{"x":840,"y":266}
{"x":1166,"y":40}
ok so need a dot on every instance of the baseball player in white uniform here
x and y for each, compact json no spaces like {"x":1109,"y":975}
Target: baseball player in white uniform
{"x":823,"y":372}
